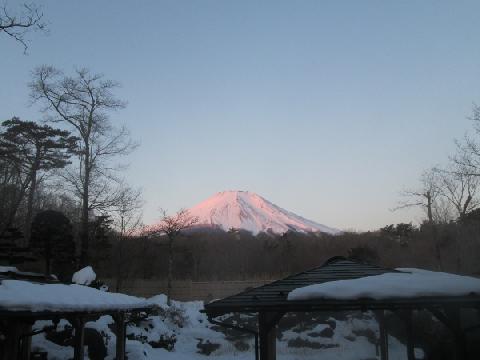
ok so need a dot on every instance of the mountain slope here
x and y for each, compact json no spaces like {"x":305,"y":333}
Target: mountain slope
{"x":249,"y":211}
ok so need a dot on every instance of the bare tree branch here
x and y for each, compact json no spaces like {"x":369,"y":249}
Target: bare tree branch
{"x":17,"y":25}
{"x":425,"y":196}
{"x":459,"y":188}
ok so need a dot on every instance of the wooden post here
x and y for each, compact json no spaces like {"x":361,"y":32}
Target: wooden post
{"x":450,"y":317}
{"x":454,"y":316}
{"x":120,"y":326}
{"x":409,"y":329}
{"x":26,"y":341}
{"x":383,"y":335}
{"x":267,"y":324}
{"x":78,"y":352}
{"x":12,"y":341}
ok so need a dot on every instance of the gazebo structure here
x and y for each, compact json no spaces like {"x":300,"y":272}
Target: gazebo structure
{"x":28,"y":297}
{"x":308,"y":291}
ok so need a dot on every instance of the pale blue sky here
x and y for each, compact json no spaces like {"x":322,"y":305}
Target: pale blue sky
{"x":326,"y":108}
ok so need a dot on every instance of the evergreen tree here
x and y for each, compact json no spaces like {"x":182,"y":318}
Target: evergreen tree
{"x":51,"y":238}
{"x":30,"y":148}
{"x":102,"y":234}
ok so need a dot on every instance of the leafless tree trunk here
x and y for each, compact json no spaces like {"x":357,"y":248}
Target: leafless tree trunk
{"x":30,"y":198}
{"x":82,"y":102}
{"x":424,"y":197}
{"x":16,"y":203}
{"x":85,"y":207}
{"x":127,"y":218}
{"x":170,"y":267}
{"x":459,"y":188}
{"x":171,"y":226}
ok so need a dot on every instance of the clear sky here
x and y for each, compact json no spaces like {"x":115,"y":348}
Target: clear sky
{"x":326,"y":108}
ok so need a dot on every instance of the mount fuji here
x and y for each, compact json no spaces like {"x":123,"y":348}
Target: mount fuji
{"x":248,"y":211}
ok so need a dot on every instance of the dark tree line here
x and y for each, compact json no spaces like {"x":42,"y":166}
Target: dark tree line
{"x":238,"y":255}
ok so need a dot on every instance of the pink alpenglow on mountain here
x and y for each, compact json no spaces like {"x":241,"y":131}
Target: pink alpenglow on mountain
{"x":248,"y":211}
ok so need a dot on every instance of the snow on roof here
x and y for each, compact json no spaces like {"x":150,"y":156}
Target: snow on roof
{"x":84,"y":276}
{"x":4,"y":269}
{"x":16,"y":295}
{"x":408,"y":283}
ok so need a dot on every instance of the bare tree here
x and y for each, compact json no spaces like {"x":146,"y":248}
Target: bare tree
{"x":459,"y":188}
{"x":468,"y":149}
{"x":83,"y":102}
{"x":425,"y":196}
{"x":171,"y":226}
{"x":127,"y":214}
{"x":127,"y":217}
{"x":17,"y":25}
{"x":466,"y":166}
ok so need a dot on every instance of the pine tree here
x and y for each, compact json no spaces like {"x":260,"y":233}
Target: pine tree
{"x":102,"y":233}
{"x":52,"y":239}
{"x":31,"y":148}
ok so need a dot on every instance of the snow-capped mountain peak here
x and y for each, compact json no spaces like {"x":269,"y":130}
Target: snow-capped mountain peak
{"x":249,"y":211}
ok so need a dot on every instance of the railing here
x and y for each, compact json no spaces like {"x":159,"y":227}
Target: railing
{"x":185,"y":290}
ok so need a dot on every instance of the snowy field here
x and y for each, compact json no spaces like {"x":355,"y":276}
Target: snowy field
{"x":181,"y":331}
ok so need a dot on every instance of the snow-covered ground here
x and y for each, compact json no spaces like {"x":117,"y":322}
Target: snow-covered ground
{"x":181,"y":331}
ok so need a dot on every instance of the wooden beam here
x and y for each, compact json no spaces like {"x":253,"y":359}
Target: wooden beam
{"x":120,"y":327}
{"x":267,"y":331}
{"x":383,"y":335}
{"x":78,"y":350}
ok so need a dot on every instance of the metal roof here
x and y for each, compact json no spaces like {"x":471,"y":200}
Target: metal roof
{"x":273,"y":296}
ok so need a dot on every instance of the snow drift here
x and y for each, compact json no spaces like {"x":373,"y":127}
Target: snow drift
{"x":84,"y":276}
